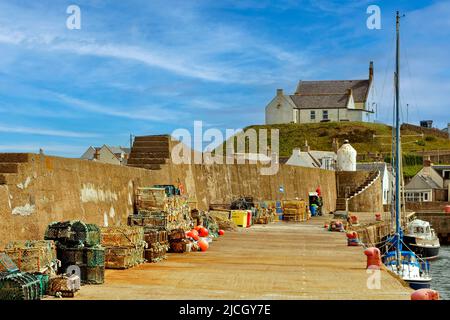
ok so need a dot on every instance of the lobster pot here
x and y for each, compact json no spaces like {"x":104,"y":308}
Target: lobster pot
{"x":92,"y":275}
{"x":295,"y":210}
{"x":19,"y":286}
{"x":122,"y":236}
{"x":155,"y":235}
{"x":177,"y":234}
{"x":66,"y":285}
{"x":150,"y":198}
{"x":33,"y":256}
{"x":123,"y":257}
{"x":179,"y":246}
{"x":91,"y":257}
{"x":155,"y":219}
{"x":44,"y":280}
{"x":156,"y":252}
{"x":74,"y":233}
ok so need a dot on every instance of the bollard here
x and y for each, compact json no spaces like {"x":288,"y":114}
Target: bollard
{"x":373,"y":257}
{"x":378,"y":216}
{"x":425,"y":294}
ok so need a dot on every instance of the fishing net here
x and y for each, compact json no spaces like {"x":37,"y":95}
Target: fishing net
{"x":33,"y":256}
{"x":73,"y":233}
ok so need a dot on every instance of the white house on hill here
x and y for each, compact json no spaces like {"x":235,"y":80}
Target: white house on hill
{"x":323,"y":101}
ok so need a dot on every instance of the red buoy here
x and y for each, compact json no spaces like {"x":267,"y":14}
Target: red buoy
{"x":221,"y":232}
{"x":203,"y":245}
{"x":425,"y":294}
{"x":203,"y":232}
{"x":373,"y":257}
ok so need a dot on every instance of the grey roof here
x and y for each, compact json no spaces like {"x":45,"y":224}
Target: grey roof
{"x":360,"y":88}
{"x":429,"y":182}
{"x":321,"y":101}
{"x":372,"y":166}
{"x":116,"y":150}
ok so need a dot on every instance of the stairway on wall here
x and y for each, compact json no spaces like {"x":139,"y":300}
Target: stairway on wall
{"x":9,"y":166}
{"x":341,"y":201}
{"x":150,"y":152}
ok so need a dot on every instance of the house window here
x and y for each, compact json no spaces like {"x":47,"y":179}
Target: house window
{"x":446,"y":174}
{"x":425,"y":196}
{"x":325,"y":114}
{"x":313,"y":115}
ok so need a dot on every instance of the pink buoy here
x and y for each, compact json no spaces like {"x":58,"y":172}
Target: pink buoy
{"x":425,"y":294}
{"x":373,"y":257}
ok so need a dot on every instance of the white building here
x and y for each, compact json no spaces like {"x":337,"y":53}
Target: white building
{"x":312,"y":158}
{"x":431,"y":183}
{"x":107,"y":154}
{"x":323,"y":101}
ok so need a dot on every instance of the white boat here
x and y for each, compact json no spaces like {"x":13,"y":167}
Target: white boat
{"x":421,"y":238}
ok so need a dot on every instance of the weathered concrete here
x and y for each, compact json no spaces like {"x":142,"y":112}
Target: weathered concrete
{"x":275,"y":261}
{"x":47,"y":189}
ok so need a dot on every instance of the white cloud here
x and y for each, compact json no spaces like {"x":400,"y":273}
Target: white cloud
{"x":46,"y":132}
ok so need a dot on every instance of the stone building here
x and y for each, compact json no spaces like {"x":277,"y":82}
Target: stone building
{"x":323,"y":101}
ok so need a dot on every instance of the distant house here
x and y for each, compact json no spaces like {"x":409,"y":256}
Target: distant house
{"x":107,"y":154}
{"x":387,"y":178}
{"x":431,"y":183}
{"x":312,"y":158}
{"x":323,"y":101}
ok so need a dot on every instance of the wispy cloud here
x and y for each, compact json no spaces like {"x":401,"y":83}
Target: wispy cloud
{"x":46,"y":132}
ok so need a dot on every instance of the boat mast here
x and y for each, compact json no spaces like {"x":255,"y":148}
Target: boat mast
{"x":397,"y":141}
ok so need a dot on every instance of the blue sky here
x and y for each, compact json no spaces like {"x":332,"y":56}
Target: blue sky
{"x":149,"y":67}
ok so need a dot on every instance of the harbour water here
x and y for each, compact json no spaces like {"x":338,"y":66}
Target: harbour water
{"x":440,"y":271}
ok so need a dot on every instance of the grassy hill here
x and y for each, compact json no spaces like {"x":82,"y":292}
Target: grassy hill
{"x":364,"y":137}
{"x":373,"y":138}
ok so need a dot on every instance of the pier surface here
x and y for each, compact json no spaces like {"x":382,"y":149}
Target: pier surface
{"x":274,"y":261}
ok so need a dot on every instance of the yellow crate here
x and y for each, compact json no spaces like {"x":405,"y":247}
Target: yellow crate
{"x":239,"y":217}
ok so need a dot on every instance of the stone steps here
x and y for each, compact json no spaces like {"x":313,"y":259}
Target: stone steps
{"x":14,"y":157}
{"x":9,"y":168}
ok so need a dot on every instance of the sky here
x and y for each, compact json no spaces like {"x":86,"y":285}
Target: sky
{"x":150,"y":67}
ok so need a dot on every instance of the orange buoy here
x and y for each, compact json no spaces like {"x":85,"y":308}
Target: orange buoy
{"x":198,"y":227}
{"x":447,"y":209}
{"x":221,"y":232}
{"x":373,"y":257}
{"x":194,"y":232}
{"x":203,"y":245}
{"x":425,"y":294}
{"x":203,"y":232}
{"x":378,"y":216}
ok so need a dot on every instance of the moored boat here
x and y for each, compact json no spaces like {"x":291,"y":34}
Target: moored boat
{"x":422,"y":239}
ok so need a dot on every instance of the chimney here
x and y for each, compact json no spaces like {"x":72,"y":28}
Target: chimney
{"x":97,"y":153}
{"x":427,"y":162}
{"x":371,"y":71}
{"x":335,"y":145}
{"x":279,"y":92}
{"x":350,"y":92}
{"x":306,"y":147}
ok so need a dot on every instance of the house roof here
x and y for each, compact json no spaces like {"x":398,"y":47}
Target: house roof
{"x":360,"y":88}
{"x":430,"y":182}
{"x":440,"y":168}
{"x":321,"y":101}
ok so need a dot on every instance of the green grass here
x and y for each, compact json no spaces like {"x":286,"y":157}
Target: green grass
{"x":364,"y":137}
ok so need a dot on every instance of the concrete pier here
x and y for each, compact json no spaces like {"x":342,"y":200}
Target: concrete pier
{"x":274,"y":261}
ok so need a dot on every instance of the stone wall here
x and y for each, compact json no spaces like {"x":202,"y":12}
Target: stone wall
{"x":371,"y":200}
{"x":47,"y":189}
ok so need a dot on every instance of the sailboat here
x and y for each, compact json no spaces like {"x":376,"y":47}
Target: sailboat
{"x":405,"y":264}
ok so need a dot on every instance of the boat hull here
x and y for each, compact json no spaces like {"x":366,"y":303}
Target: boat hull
{"x":428,"y":250}
{"x":416,"y":285}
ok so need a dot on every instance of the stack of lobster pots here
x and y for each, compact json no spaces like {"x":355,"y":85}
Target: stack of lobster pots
{"x":158,"y":214}
{"x":178,"y":241}
{"x":17,"y":285}
{"x":124,"y":246}
{"x":295,"y":210}
{"x":79,"y":250}
{"x":36,"y":257}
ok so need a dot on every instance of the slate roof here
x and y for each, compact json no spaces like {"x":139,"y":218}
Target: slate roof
{"x":360,"y":88}
{"x":322,"y":101}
